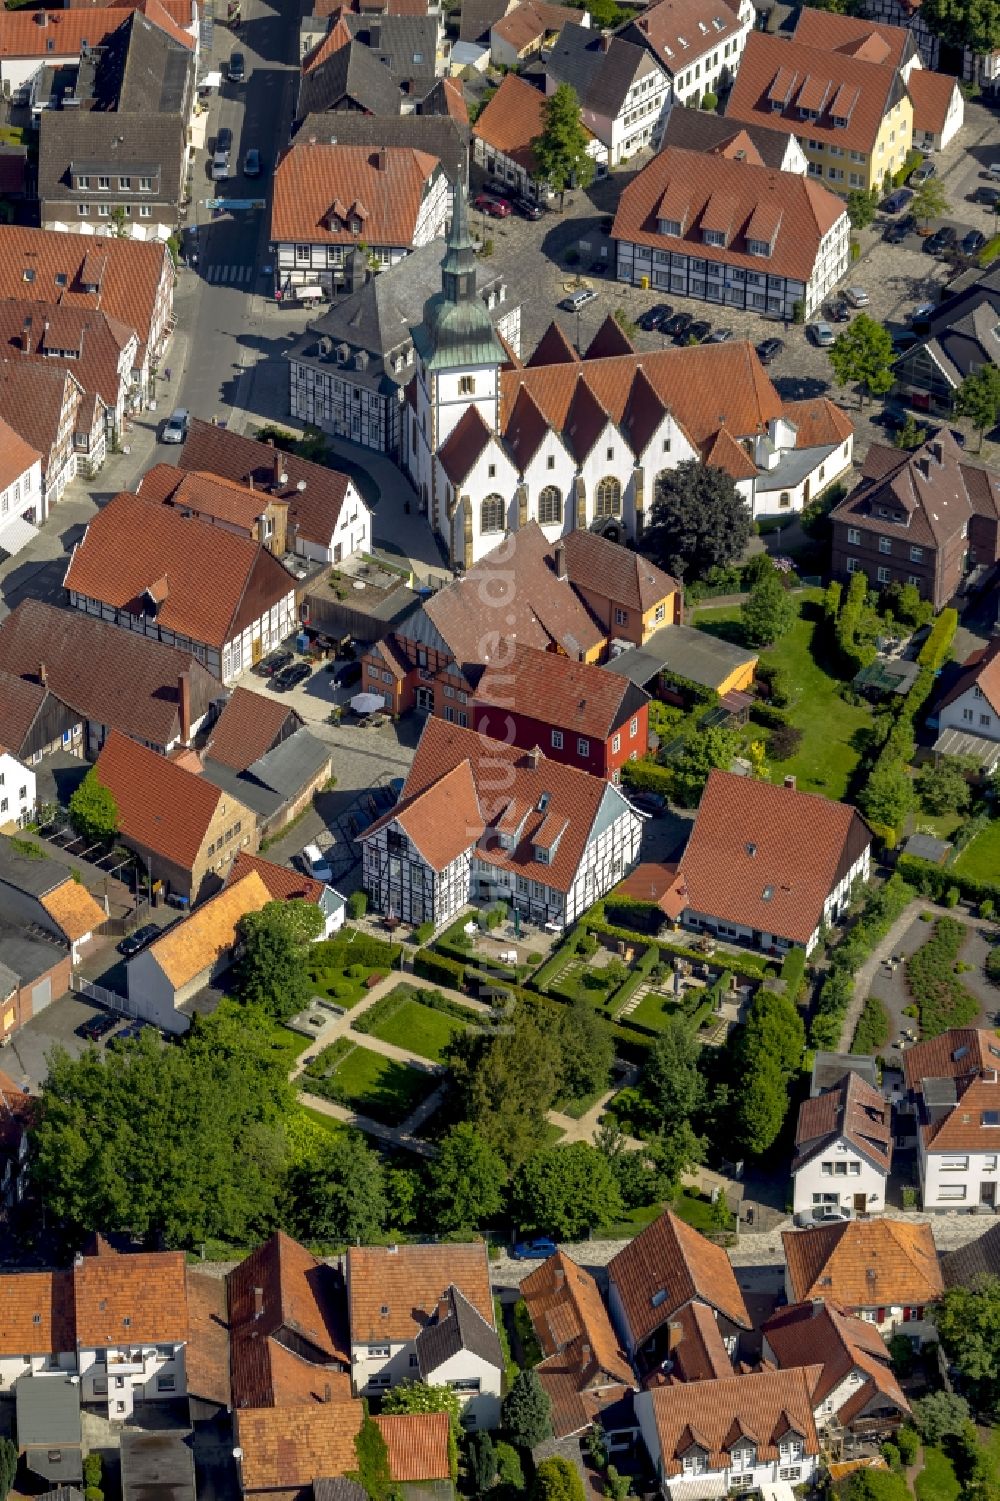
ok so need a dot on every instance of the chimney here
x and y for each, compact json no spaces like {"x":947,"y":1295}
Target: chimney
{"x":535,"y":757}
{"x":560,"y":561}
{"x":43,"y":675}
{"x":584,"y":1353}
{"x":674,"y":1335}
{"x":605,"y":41}
{"x":790,"y":782}
{"x":818,"y":1304}
{"x":937,"y":449}
{"x":184,"y":705}
{"x":258,"y":1302}
{"x":41,"y":19}
{"x":327,"y":1392}
{"x":382,"y":159}
{"x":26,"y":336}
{"x":276,"y":468}
{"x":312,"y":140}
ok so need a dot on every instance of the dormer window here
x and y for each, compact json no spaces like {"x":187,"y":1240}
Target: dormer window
{"x":693,"y":1462}
{"x":758,"y":247}
{"x":713,"y":236}
{"x":670,"y":227}
{"x":541,"y":855}
{"x":355,"y":226}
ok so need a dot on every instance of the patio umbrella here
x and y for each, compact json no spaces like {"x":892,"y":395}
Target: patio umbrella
{"x":367,"y":703}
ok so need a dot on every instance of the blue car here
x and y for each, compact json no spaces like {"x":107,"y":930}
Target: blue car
{"x":897,"y":201}
{"x":534,"y":1250}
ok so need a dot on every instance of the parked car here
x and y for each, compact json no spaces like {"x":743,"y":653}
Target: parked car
{"x":534,"y":1250}
{"x":822,"y":334}
{"x":223,"y":150}
{"x":699,"y":329}
{"x":769,"y":349}
{"x":133,"y":942}
{"x":529,"y":209}
{"x":175,"y":429}
{"x":677,"y":326}
{"x":237,"y":69}
{"x":993,"y":170}
{"x":291,"y":677}
{"x":922,"y":173}
{"x":941,"y":240}
{"x":98,"y":1026}
{"x":989,"y":196}
{"x":577,"y":300}
{"x":857,"y":297}
{"x":654,"y":317}
{"x":922,"y":312}
{"x":973,"y":242}
{"x":251,"y":163}
{"x":823,"y":1214}
{"x":316,"y":864}
{"x":497,"y":208}
{"x":347,"y":673}
{"x":652,"y":803}
{"x":837,"y":311}
{"x":274,"y":663}
{"x":897,"y":201}
{"x":720,"y":336}
{"x":900,"y":230}
{"x":904,"y":339}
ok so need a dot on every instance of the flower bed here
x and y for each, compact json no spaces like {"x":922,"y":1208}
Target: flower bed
{"x":930,"y":975}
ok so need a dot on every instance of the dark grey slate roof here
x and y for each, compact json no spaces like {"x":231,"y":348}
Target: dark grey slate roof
{"x":478,"y":17}
{"x":351,"y":76}
{"x":926,"y":847}
{"x":462,"y":1327}
{"x":600,"y":77}
{"x":157,"y":1466}
{"x":438,"y":135}
{"x":700,"y":130}
{"x":406,"y":45}
{"x":61,"y":1493}
{"x":8,"y":981}
{"x":275,"y":778}
{"x":140,"y":144}
{"x":48,"y":1426}
{"x":338,"y":1489}
{"x":977,"y":1258}
{"x":685,"y":651}
{"x":962,"y":332}
{"x":36,"y":877}
{"x":28,"y":952}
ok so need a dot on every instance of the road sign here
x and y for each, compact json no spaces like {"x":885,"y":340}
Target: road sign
{"x":235,"y":203}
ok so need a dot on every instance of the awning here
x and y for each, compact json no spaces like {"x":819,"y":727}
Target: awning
{"x":949,"y":743}
{"x":17,"y":533}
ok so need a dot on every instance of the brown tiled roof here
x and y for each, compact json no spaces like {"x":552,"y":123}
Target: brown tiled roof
{"x":763,"y":1407}
{"x":283,"y":883}
{"x":464,"y":445}
{"x":65,"y":30}
{"x":16,"y":456}
{"x":773,"y":69}
{"x":971,"y":1124}
{"x":206,"y":1359}
{"x":821,"y":1333}
{"x":201,"y":939}
{"x":852,"y":1110}
{"x":442,"y":819}
{"x":853,"y":35}
{"x":249,"y":726}
{"x":314,"y":509}
{"x":671,"y":1258}
{"x":512,"y":120}
{"x":662,"y":884}
{"x":409,"y":1282}
{"x":33,"y":395}
{"x":585,"y":699}
{"x":132,"y":547}
{"x":131,"y":270}
{"x":703,"y":25}
{"x":928,"y":498}
{"x":789,"y":211}
{"x":864,"y":1263}
{"x":114,"y":677}
{"x":572,"y":1324}
{"x":207,"y":495}
{"x":446,"y":98}
{"x":417,"y":1445}
{"x":73,"y":908}
{"x":139,"y":1298}
{"x":980,"y":670}
{"x":818,"y":421}
{"x":287,"y":1448}
{"x":573,"y":1410}
{"x":311,"y":179}
{"x":723,"y":452}
{"x":586,"y":419}
{"x":87,"y":340}
{"x":554,"y":347}
{"x":531,"y":21}
{"x":931,"y":94}
{"x":38,"y":1316}
{"x":700,"y":1353}
{"x":613,"y":572}
{"x":20,"y":703}
{"x":767,"y":857}
{"x":160,"y":806}
{"x":610,"y":339}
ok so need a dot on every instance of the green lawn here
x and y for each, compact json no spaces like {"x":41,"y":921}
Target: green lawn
{"x":634,"y":1221}
{"x":286,"y":1045}
{"x":351,"y":1075}
{"x":981,"y":857}
{"x":695,"y":1210}
{"x":653,"y":1009}
{"x":419,"y":1028}
{"x":937,"y":1480}
{"x":328,"y":1123}
{"x":826,"y":758}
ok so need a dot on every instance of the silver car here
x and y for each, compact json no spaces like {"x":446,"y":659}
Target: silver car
{"x":822,"y":334}
{"x":823,"y":1214}
{"x":175,"y":429}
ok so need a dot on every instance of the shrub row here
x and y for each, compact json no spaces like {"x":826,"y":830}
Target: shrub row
{"x":750,"y":966}
{"x":352,"y":946}
{"x":793,"y":972}
{"x":931,"y":880}
{"x":939,"y":639}
{"x":631,"y":911}
{"x":880,"y":911}
{"x":853,"y":656}
{"x":930,"y":974}
{"x":641,"y":972}
{"x":647,"y":776}
{"x":389,"y":1004}
{"x":872,"y":1031}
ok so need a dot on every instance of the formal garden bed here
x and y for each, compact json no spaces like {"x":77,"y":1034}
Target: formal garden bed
{"x":342,"y":969}
{"x":348,"y":1074}
{"x":424,"y":1021}
{"x":934,"y":979}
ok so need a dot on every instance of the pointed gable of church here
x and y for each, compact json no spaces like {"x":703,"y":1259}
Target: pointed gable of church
{"x":553,"y":348}
{"x":609,"y":339}
{"x":464,"y":445}
{"x":585,"y":421}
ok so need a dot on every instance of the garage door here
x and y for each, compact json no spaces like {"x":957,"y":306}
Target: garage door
{"x":41,"y":995}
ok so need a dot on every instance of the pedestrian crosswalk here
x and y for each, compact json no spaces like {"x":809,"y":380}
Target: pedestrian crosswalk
{"x":232,"y":274}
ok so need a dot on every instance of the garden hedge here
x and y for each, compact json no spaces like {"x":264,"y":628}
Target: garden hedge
{"x":793,"y":972}
{"x":942,"y":633}
{"x":880,"y":911}
{"x":641,"y":972}
{"x":933,"y":881}
{"x":645,"y":917}
{"x":750,"y":966}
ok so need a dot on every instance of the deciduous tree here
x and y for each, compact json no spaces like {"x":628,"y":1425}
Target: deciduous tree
{"x":560,"y":151}
{"x":968,"y":1322}
{"x":863,"y":353}
{"x":942,"y":1415}
{"x":769,"y":610}
{"x":704,"y":751}
{"x":929,"y":200}
{"x":965,"y":23}
{"x":587,"y":1050}
{"x":8,"y":1466}
{"x":698,"y":520}
{"x":93,"y":811}
{"x":339,"y":1196}
{"x":271,"y":971}
{"x":557,"y":1479}
{"x":566,"y":1191}
{"x":861,"y":205}
{"x":507,"y":1079}
{"x":468,"y":1179}
{"x":944,"y":788}
{"x":979,"y":396}
{"x":887,"y":795}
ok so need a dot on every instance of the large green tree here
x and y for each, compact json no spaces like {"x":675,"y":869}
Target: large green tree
{"x":768,"y":611}
{"x":179,"y":1144}
{"x":671,"y":1079}
{"x":526,"y":1411}
{"x":587,"y":1051}
{"x":941,"y":1415}
{"x":566,"y":1191}
{"x":965,"y":23}
{"x":968,"y":1323}
{"x":929,"y":200}
{"x":339,"y":1196}
{"x":979,"y":399}
{"x":704,"y":751}
{"x":765,"y":1053}
{"x":271,"y":971}
{"x":887,"y":795}
{"x":467,"y":1178}
{"x":506,"y":1079}
{"x":557,"y":1479}
{"x":944,"y":788}
{"x":560,"y":151}
{"x":863,"y":353}
{"x":698,"y":520}
{"x":93,"y":810}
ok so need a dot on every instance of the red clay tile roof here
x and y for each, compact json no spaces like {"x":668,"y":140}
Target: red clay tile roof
{"x":609,"y":340}
{"x":138,"y":1298}
{"x":852,"y":1110}
{"x":855,"y":36}
{"x":133,"y":547}
{"x":574,"y":1331}
{"x":283,"y":883}
{"x":20,"y":703}
{"x":17,"y":1112}
{"x":38,"y":1317}
{"x":446,"y":98}
{"x":980,"y":670}
{"x":160,"y":806}
{"x":417,"y":1445}
{"x":864,"y":1264}
{"x":930,"y":496}
{"x":554,"y":347}
{"x":610,"y":571}
{"x":287,"y":1448}
{"x":585,"y":699}
{"x":931,"y":94}
{"x":206,"y":1359}
{"x":530,"y":22}
{"x":767,"y":857}
{"x":73,"y":909}
{"x":713,"y":1415}
{"x":16,"y":456}
{"x":703,"y":25}
{"x":818,"y":421}
{"x":312,"y":179}
{"x":88,"y":337}
{"x":822,"y":1333}
{"x":672,"y":1259}
{"x":207,"y":495}
{"x":409,"y":1281}
{"x":789,"y":211}
{"x":512,"y":119}
{"x":33,"y":397}
{"x":249,"y":726}
{"x":700,"y":1353}
{"x":314,"y":508}
{"x":772,"y":70}
{"x":441,"y":819}
{"x":464,"y":446}
{"x":959,"y":1053}
{"x":723,"y":452}
{"x":661,"y":884}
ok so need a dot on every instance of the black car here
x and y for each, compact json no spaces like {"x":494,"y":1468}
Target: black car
{"x":98,"y":1026}
{"x":699,"y":329}
{"x":720,"y":336}
{"x":291,"y":677}
{"x":135,"y":941}
{"x":973,"y":242}
{"x":528,"y":209}
{"x":655,"y":317}
{"x":237,"y":70}
{"x":769,"y":349}
{"x":989,"y":196}
{"x":275,"y":663}
{"x":898,"y":232}
{"x":677,"y":326}
{"x":941,"y":240}
{"x":837,"y":312}
{"x":349,"y":673}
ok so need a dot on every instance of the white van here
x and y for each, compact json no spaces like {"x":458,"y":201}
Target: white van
{"x":316,"y":864}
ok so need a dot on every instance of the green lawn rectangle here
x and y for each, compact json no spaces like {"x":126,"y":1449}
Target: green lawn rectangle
{"x":829,"y":753}
{"x":419,"y":1028}
{"x":937,"y":1480}
{"x":352,"y":1075}
{"x":980,"y":860}
{"x":654,"y":1009}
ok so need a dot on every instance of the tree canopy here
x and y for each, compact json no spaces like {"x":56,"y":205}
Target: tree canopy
{"x":560,"y":152}
{"x":422,"y":1396}
{"x":968,"y":1323}
{"x":339,"y":1196}
{"x":863,"y":352}
{"x":93,"y":810}
{"x":526,"y":1411}
{"x":768,"y":611}
{"x":506,"y":1079}
{"x":467,"y":1180}
{"x":929,"y":200}
{"x":979,"y":396}
{"x":704,"y":751}
{"x":557,"y":1479}
{"x":271,"y":971}
{"x":965,"y":23}
{"x":566,"y":1191}
{"x":698,"y":520}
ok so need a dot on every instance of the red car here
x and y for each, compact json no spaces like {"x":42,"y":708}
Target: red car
{"x":497,"y":208}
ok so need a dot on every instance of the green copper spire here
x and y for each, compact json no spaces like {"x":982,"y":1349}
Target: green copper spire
{"x":457,"y":330}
